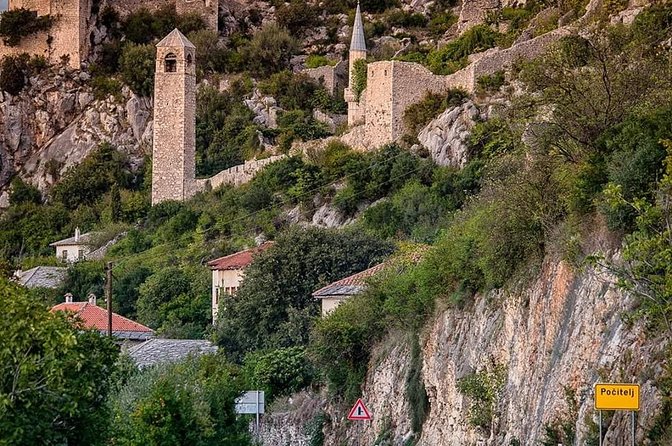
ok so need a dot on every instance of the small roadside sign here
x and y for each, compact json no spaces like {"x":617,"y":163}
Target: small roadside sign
{"x":359,"y":412}
{"x":613,"y":396}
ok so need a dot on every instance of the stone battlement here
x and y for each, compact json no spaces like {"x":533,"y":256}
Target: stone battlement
{"x":393,"y":86}
{"x":236,"y":175}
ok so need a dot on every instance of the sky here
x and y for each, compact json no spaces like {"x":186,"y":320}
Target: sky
{"x":3,"y":5}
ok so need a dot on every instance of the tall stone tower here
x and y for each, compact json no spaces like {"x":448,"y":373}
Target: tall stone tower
{"x":173,"y":162}
{"x":357,"y":52}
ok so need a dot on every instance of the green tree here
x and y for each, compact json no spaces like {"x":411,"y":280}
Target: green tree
{"x":190,"y":402}
{"x":270,"y":50}
{"x":137,"y":65}
{"x":13,"y":71}
{"x":19,"y":23}
{"x":54,"y":376}
{"x":275,"y":296}
{"x":22,"y":193}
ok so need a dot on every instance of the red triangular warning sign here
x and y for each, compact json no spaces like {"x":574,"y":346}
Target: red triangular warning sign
{"x":359,"y":411}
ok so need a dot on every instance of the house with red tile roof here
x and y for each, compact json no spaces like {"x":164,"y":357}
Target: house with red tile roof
{"x":332,"y":295}
{"x":95,"y":317}
{"x":228,"y":272}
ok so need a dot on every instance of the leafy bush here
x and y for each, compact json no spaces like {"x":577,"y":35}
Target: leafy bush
{"x":105,"y":86}
{"x":317,"y":60}
{"x":421,"y":113}
{"x":278,"y":372}
{"x":85,"y":183}
{"x":270,"y":50}
{"x":190,"y":402}
{"x":491,"y":83}
{"x":16,"y":24}
{"x":296,"y":16}
{"x":144,"y":26}
{"x":13,"y":73}
{"x":453,"y":56}
{"x":274,"y":305}
{"x":22,"y":193}
{"x":137,"y":65}
{"x":359,"y":77}
{"x":483,"y":389}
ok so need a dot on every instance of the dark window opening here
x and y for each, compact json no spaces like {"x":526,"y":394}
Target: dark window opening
{"x":170,"y":63}
{"x":189,"y":60}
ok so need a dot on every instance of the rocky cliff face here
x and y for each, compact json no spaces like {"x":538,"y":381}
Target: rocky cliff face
{"x":552,"y":340}
{"x":55,"y":123}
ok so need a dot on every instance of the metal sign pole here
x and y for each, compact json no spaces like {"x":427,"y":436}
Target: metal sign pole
{"x":258,"y":433}
{"x":633,"y":427}
{"x":600,"y":427}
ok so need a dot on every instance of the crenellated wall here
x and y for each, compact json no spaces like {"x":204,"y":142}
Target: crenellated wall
{"x":393,"y":86}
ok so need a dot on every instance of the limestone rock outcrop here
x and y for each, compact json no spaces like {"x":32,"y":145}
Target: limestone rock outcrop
{"x":56,"y":122}
{"x":447,"y":136}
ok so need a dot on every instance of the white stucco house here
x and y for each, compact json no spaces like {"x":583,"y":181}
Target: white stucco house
{"x":228,"y":272}
{"x":332,"y":295}
{"x":75,"y":248}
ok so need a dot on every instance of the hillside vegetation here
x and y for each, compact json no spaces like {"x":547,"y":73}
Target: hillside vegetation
{"x":580,"y":140}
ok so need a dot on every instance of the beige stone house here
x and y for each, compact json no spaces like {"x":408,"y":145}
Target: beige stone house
{"x":75,"y":248}
{"x":228,"y":272}
{"x":332,"y":295}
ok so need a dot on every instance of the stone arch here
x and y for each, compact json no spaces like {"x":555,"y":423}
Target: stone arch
{"x":170,"y":63}
{"x":190,"y":60}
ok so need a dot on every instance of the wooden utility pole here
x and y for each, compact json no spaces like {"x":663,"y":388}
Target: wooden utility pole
{"x":108,"y":296}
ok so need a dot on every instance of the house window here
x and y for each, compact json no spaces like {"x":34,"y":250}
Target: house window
{"x":64,"y":254}
{"x":217,"y":290}
{"x":80,"y":254}
{"x":170,"y":62}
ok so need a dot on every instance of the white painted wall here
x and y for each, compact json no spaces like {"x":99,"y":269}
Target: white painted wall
{"x":71,"y":253}
{"x":224,"y":283}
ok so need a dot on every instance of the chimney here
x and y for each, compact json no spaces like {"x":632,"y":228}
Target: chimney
{"x":92,"y":298}
{"x":77,"y":234}
{"x":68,"y":298}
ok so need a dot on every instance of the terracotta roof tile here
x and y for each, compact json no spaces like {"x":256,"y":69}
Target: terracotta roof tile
{"x":350,"y":285}
{"x":95,"y":317}
{"x":239,"y":260}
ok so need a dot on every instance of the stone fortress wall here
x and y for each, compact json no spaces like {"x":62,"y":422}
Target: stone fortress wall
{"x":334,"y":78}
{"x":69,"y":36}
{"x":236,"y":175}
{"x":393,"y":86}
{"x":65,"y":39}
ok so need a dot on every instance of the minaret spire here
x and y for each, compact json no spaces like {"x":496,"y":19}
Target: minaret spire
{"x":358,"y":43}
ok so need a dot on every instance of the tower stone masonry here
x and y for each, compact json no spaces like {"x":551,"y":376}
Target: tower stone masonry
{"x":173,"y":161}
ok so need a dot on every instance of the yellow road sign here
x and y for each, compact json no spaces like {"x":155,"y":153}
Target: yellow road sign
{"x":611,"y":396}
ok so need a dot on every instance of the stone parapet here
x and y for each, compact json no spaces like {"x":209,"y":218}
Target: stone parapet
{"x":333,"y":78}
{"x":236,"y":175}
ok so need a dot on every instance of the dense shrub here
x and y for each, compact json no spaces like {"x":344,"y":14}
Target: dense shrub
{"x":421,"y":113}
{"x":190,"y":402}
{"x":13,"y":73}
{"x":144,"y":26}
{"x":278,"y":372}
{"x":85,"y":183}
{"x":359,"y":77}
{"x":296,"y":16}
{"x":317,"y":60}
{"x":19,"y":23}
{"x":22,"y":193}
{"x":270,"y":51}
{"x":274,"y":306}
{"x":136,"y":66}
{"x":453,"y":56}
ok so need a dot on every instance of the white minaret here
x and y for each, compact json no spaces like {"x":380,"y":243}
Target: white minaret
{"x":357,"y":52}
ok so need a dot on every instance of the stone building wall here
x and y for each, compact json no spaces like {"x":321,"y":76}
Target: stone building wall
{"x":393,"y":86}
{"x":173,"y":161}
{"x":236,"y":175}
{"x":66,"y":37}
{"x":333,"y":78}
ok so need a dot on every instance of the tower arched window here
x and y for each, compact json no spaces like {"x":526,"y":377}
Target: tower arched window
{"x":170,"y":63}
{"x":189,"y":60}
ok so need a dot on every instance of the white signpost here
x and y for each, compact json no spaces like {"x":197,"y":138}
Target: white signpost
{"x":251,"y":402}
